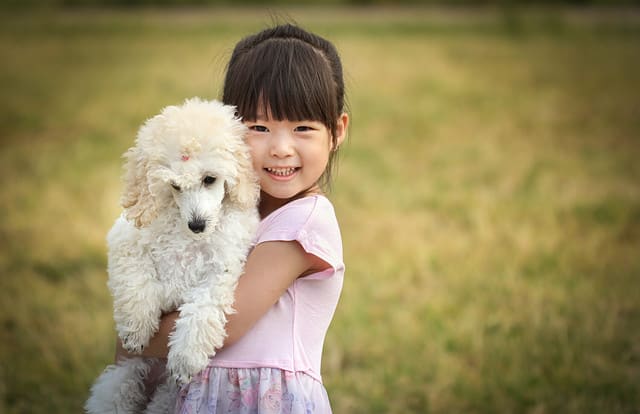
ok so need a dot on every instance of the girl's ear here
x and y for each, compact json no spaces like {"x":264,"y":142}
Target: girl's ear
{"x":137,"y":199}
{"x":341,"y":130}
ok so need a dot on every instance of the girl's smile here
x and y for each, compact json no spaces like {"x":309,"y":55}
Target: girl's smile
{"x":282,"y":173}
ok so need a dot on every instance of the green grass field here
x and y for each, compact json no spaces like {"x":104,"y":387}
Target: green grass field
{"x":489,"y":197}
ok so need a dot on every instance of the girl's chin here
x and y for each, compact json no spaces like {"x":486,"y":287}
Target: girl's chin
{"x":286,"y":196}
{"x":279,"y":194}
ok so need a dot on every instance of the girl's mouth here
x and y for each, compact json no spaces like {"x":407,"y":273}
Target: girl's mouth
{"x":282,"y":172}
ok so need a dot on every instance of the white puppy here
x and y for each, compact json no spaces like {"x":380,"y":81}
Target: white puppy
{"x":189,"y":219}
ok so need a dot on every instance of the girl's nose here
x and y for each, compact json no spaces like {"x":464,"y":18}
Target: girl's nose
{"x":281,"y":145}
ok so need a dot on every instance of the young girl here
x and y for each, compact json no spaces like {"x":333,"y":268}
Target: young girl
{"x":288,"y":88}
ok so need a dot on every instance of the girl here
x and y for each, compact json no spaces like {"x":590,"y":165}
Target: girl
{"x":288,"y":88}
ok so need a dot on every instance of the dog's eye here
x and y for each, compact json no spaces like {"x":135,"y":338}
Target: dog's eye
{"x":175,"y":186}
{"x":208,"y":180}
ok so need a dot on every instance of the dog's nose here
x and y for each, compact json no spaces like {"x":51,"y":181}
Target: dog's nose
{"x":197,"y":225}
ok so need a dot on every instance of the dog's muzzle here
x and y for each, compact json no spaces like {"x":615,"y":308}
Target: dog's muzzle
{"x":197,"y":225}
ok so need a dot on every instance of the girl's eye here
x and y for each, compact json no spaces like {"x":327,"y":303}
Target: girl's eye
{"x":208,"y":180}
{"x":303,"y":128}
{"x":175,"y":186}
{"x":259,"y":128}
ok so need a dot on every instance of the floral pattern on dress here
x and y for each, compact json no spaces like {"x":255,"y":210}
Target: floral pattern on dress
{"x":252,"y":391}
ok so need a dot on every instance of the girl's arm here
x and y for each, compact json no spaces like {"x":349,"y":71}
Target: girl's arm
{"x":270,"y":269}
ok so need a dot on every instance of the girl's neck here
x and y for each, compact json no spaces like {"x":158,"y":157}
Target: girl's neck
{"x":269,"y":204}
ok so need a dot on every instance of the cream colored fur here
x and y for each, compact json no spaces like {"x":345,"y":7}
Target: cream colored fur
{"x":189,"y":218}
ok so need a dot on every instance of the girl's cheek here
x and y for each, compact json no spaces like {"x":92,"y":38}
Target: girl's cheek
{"x":253,"y":142}
{"x":255,"y":161}
{"x":253,"y":150}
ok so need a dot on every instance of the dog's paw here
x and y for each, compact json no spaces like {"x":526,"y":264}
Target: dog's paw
{"x":135,"y":333}
{"x":182,"y":379}
{"x":132,"y":348}
{"x":133,"y":342}
{"x":184,"y":365}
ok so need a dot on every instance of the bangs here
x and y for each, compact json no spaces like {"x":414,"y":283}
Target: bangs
{"x":285,"y":79}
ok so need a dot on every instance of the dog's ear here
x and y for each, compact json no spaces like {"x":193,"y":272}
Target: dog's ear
{"x":137,"y":198}
{"x":246,"y":190}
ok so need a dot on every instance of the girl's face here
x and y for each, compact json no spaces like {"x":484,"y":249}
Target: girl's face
{"x":289,"y":157}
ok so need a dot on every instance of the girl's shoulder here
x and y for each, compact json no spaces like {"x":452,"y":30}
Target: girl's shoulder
{"x":301,"y":210}
{"x":311,"y":221}
{"x":311,"y":214}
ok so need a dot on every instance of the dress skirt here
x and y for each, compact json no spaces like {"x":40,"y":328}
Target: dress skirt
{"x":219,"y":390}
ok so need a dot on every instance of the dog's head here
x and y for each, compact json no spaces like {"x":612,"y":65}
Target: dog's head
{"x":193,"y":156}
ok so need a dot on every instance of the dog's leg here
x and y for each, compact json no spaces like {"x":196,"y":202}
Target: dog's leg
{"x":137,"y":296}
{"x":200,"y":328}
{"x":119,"y":389}
{"x":165,"y":398}
{"x":134,"y":285}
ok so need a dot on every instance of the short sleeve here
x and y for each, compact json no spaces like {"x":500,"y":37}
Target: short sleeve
{"x":311,"y":221}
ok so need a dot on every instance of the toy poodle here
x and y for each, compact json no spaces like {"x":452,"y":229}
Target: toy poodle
{"x":190,"y":214}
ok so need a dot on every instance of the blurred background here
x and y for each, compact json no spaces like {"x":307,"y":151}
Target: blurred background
{"x":489,"y":193}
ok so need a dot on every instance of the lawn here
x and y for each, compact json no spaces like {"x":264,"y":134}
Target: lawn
{"x":489,"y":199}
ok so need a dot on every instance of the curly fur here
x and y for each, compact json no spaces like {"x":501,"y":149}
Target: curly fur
{"x":189,"y":217}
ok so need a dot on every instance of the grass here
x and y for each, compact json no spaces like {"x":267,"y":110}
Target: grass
{"x":488,"y":198}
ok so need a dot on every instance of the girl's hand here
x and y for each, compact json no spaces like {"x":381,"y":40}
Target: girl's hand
{"x":158,"y":346}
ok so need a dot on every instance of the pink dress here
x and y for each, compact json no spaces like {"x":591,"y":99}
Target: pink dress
{"x":275,"y":367}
